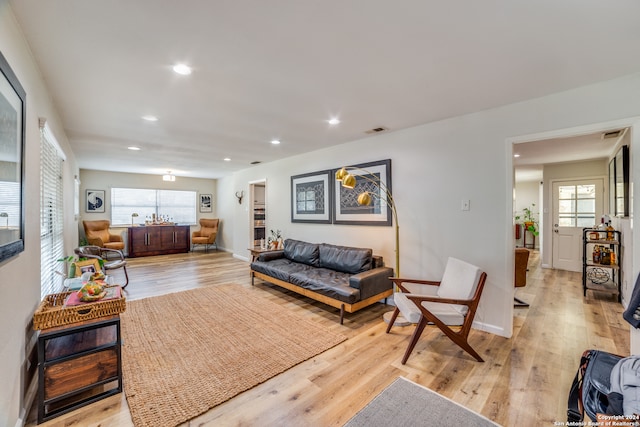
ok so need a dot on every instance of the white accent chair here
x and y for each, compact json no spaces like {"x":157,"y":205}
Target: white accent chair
{"x":453,"y":301}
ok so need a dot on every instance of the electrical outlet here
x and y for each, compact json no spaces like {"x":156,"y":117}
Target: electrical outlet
{"x":466,"y":205}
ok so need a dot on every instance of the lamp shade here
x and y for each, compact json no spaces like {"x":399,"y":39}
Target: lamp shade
{"x":349,"y":181}
{"x":341,"y":174}
{"x":364,"y":199}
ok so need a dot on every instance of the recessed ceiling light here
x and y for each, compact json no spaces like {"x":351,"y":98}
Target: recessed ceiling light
{"x":333,"y":121}
{"x":275,"y":141}
{"x":183,"y":69}
{"x":516,"y":155}
{"x":150,"y":118}
{"x":132,"y":148}
{"x":226,"y":159}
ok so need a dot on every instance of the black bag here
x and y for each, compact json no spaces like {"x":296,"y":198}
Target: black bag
{"x":591,"y":385}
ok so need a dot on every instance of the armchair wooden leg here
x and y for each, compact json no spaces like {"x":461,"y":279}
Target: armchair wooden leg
{"x":414,"y":338}
{"x":393,"y":319}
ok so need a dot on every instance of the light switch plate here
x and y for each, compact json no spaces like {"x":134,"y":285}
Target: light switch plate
{"x":466,"y":205}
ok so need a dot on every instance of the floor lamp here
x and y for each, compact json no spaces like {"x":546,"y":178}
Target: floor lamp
{"x":349,"y":181}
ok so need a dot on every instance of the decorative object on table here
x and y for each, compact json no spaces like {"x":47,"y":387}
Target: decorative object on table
{"x":95,"y":201}
{"x":88,"y":266}
{"x":311,"y":197}
{"x":133,"y":215}
{"x":364,"y":196}
{"x":202,"y":369}
{"x":12,"y":128}
{"x":275,"y":241}
{"x":239,"y":196}
{"x":52,"y":311}
{"x":206,"y":203}
{"x":102,"y":255}
{"x":405,"y":403}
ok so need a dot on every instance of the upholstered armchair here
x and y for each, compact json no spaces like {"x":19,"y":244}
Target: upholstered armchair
{"x":207,"y":234}
{"x":98,"y":234}
{"x":452,"y":301}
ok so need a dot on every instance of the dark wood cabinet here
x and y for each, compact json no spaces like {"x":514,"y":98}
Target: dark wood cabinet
{"x":158,"y":240}
{"x":78,"y":364}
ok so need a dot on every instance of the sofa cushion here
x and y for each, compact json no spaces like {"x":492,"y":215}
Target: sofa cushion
{"x":345,"y":259}
{"x":333,"y":284}
{"x":304,"y":252}
{"x":281,"y":268}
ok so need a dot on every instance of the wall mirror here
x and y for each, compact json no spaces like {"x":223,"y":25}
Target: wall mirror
{"x":12,"y":135}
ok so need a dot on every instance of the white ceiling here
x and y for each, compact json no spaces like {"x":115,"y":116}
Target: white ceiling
{"x":281,"y":68}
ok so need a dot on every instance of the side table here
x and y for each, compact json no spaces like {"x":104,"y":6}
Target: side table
{"x":257,"y":250}
{"x":78,"y":364}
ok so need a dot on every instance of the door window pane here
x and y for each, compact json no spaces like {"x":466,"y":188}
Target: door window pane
{"x":576,"y":205}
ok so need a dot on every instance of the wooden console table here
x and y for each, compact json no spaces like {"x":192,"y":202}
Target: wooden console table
{"x":78,"y":364}
{"x":158,"y":240}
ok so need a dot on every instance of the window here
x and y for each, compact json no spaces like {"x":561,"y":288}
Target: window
{"x":51,"y":211}
{"x":177,"y":206}
{"x":577,"y":205}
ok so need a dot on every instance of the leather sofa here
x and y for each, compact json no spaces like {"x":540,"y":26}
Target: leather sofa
{"x":344,"y":277}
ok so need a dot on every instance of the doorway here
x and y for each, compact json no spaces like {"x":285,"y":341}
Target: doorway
{"x":257,"y":213}
{"x":576,"y":205}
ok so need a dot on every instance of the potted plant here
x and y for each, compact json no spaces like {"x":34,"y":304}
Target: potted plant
{"x":530,"y":223}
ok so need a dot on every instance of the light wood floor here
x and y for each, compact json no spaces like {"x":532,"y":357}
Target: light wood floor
{"x":524,"y":380}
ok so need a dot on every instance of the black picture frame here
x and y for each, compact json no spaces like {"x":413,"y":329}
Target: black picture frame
{"x":12,"y":172}
{"x":622,"y":182}
{"x":206,"y":203}
{"x":612,"y":186}
{"x":348,"y":211}
{"x":311,"y":197}
{"x":95,"y":201}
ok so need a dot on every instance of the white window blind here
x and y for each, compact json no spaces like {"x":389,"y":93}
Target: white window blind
{"x":51,"y":211}
{"x":176,"y":205}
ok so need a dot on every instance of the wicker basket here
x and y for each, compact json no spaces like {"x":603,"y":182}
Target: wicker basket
{"x":52,"y":311}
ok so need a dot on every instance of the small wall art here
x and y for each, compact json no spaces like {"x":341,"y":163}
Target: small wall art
{"x":95,"y":201}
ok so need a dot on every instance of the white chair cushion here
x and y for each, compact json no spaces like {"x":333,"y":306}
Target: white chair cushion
{"x":449,"y":314}
{"x":460,"y":280}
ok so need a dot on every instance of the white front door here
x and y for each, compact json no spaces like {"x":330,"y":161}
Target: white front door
{"x":576,"y":205}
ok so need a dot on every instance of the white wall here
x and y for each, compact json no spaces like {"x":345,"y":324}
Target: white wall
{"x":103,"y":180}
{"x":435,"y":167}
{"x":20,"y":275}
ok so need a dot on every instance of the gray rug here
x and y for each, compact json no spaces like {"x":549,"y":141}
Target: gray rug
{"x":404,"y":403}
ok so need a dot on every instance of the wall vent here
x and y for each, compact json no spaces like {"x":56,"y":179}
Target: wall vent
{"x":256,"y":162}
{"x":376,"y":130}
{"x":612,"y":134}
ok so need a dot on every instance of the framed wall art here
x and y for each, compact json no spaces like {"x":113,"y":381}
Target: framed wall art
{"x":95,"y":201}
{"x":311,"y":197}
{"x":205,"y":203}
{"x":373,"y":178}
{"x":12,"y":139}
{"x":622,"y":181}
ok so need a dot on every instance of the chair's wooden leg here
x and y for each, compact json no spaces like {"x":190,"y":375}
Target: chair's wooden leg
{"x":414,"y":338}
{"x":341,"y":314}
{"x":393,"y":319}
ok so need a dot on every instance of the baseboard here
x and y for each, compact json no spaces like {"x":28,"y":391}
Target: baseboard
{"x":240,"y":257}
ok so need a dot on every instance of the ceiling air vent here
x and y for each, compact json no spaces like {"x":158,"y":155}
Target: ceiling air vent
{"x":612,"y":134}
{"x":376,"y":130}
{"x":256,"y":162}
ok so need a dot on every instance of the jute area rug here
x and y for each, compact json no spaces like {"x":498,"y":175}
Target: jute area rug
{"x":404,"y":403}
{"x":187,"y":352}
